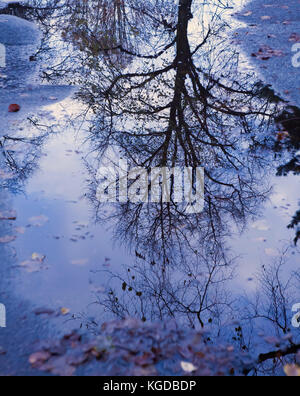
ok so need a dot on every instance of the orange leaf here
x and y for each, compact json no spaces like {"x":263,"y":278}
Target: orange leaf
{"x":14,"y":108}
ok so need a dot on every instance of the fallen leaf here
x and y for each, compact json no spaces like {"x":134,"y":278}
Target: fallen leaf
{"x":35,"y":264}
{"x":80,"y":263}
{"x":38,"y":221}
{"x":7,"y":239}
{"x":266,"y":52}
{"x":10,"y":215}
{"x":64,"y":311}
{"x":145,"y":360}
{"x":292,"y":370}
{"x":2,"y":351}
{"x":188,"y":367}
{"x":38,"y":257}
{"x":59,"y":366}
{"x":281,"y":136}
{"x":295,"y":38}
{"x":43,"y":311}
{"x":20,"y":230}
{"x":261,"y":225}
{"x":14,"y":108}
{"x":38,"y":358}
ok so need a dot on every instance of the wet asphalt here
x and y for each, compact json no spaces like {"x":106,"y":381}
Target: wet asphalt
{"x":272,"y":32}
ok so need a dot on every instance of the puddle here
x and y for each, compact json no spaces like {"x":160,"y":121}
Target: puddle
{"x":63,"y":258}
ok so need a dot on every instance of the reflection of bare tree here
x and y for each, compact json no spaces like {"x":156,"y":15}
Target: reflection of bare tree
{"x":183,"y":103}
{"x":37,"y":9}
{"x":193,"y":294}
{"x":175,"y":104}
{"x":19,"y":155}
{"x":274,"y":302}
{"x":166,"y":94}
{"x":261,"y":329}
{"x":177,"y":109}
{"x":82,"y":35}
{"x":99,"y":24}
{"x":270,"y":314}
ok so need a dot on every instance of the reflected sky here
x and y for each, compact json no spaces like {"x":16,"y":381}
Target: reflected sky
{"x":72,"y":243}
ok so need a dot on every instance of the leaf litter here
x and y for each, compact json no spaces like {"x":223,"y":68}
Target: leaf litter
{"x":265,"y":53}
{"x":133,"y":348}
{"x":38,"y":221}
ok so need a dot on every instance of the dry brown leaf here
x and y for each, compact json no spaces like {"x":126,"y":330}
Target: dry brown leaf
{"x":80,"y":263}
{"x":64,"y":311}
{"x":35,"y":264}
{"x":7,"y":239}
{"x":8,"y":215}
{"x":295,"y":38}
{"x":38,"y":221}
{"x":38,"y":358}
{"x":188,"y":367}
{"x":292,"y":370}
